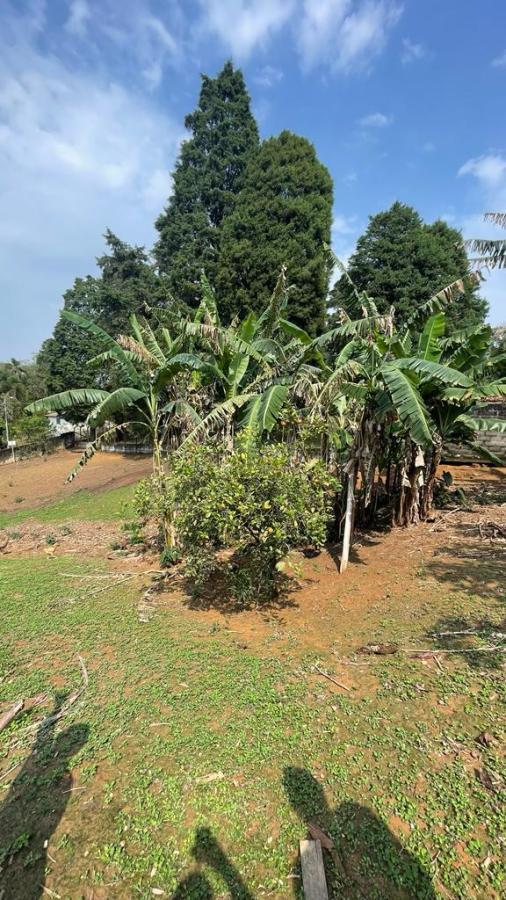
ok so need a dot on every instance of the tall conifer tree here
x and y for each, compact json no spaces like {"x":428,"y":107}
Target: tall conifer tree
{"x":207,"y":179}
{"x":282,"y":216}
{"x":401,"y":261}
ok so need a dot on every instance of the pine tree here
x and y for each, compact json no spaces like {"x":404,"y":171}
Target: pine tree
{"x":282,"y":216}
{"x":401,"y":261}
{"x":207,"y":179}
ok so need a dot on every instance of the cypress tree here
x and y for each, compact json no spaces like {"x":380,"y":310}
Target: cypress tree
{"x":207,"y":179}
{"x":282,"y":216}
{"x":401,"y":261}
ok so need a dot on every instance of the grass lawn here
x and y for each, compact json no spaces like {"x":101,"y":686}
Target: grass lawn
{"x":194,"y":760}
{"x":82,"y":506}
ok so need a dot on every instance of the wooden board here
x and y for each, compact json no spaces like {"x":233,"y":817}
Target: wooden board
{"x":313,"y":873}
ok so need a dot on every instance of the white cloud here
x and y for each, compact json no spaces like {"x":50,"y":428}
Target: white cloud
{"x":79,"y":14}
{"x":268,"y":76}
{"x":350,"y":178}
{"x":412,"y":52}
{"x":500,"y":61}
{"x":428,"y":147}
{"x":489,"y":169}
{"x":245,"y":25}
{"x":343,"y":225}
{"x":130,"y":35}
{"x":78,"y":152}
{"x":345,"y":230}
{"x":375,"y":120}
{"x":345,"y":35}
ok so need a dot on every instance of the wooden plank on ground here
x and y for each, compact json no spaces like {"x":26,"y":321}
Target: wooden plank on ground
{"x":313,"y":873}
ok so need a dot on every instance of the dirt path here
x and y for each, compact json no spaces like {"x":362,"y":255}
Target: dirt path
{"x":36,"y":482}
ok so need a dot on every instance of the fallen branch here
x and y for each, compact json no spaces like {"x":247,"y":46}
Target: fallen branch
{"x":431,"y":653}
{"x":497,"y":634}
{"x":122,"y":579}
{"x":50,"y":720}
{"x":8,"y":772}
{"x":114,"y":574}
{"x":331,"y":678}
{"x":11,"y":714}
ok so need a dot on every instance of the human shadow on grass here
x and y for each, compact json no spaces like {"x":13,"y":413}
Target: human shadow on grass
{"x":367,"y":861}
{"x":32,"y":809}
{"x":207,"y":851}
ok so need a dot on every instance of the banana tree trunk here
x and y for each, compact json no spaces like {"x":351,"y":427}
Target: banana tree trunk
{"x":166,"y":522}
{"x":348,"y":518}
{"x":427,"y":497}
{"x":411,"y":487}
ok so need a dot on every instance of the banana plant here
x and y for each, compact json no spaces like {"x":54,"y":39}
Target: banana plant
{"x":248,"y":365}
{"x":151,"y":368}
{"x":385,"y":383}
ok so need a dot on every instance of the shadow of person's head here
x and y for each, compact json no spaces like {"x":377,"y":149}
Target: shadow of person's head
{"x":208,"y":851}
{"x":306,"y":795}
{"x":371,"y":859}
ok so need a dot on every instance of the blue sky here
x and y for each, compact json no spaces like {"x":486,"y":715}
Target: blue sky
{"x":403,"y":99}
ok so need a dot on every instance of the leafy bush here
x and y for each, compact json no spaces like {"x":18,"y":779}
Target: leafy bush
{"x":154,"y":500}
{"x":29,"y":429}
{"x":258,"y":502}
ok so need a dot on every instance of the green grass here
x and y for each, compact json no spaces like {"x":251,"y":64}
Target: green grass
{"x":104,"y":506}
{"x":281,"y":746}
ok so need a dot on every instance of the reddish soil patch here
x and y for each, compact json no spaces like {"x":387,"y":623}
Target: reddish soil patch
{"x":463,"y":474}
{"x":41,"y":481}
{"x":324,"y":612}
{"x":85,"y":538}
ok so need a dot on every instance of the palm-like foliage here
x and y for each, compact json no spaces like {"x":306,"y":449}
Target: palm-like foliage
{"x":375,"y":398}
{"x":491,"y":252}
{"x":401,"y":400}
{"x":247,"y":366}
{"x":151,"y":368}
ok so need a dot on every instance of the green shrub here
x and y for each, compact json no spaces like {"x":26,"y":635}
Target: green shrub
{"x":258,"y":502}
{"x":154,"y":500}
{"x":169,"y":557}
{"x":27,"y":429}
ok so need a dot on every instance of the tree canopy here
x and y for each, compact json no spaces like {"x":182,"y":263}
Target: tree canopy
{"x":282,"y":217}
{"x":400,"y":261}
{"x":208,"y":176}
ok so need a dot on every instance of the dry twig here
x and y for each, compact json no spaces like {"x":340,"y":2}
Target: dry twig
{"x":331,"y":678}
{"x":11,"y":714}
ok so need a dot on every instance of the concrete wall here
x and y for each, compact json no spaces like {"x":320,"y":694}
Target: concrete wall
{"x":28,"y":451}
{"x":491,"y":440}
{"x":127,"y":448}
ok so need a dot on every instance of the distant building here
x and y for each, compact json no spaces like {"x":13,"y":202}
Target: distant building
{"x":58,"y":425}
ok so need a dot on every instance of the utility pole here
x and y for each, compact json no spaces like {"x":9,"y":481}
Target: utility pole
{"x":6,"y":421}
{"x":7,"y":441}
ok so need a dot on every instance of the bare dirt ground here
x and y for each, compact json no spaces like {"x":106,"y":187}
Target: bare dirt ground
{"x":36,"y":482}
{"x":32,"y":538}
{"x":461,"y":549}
